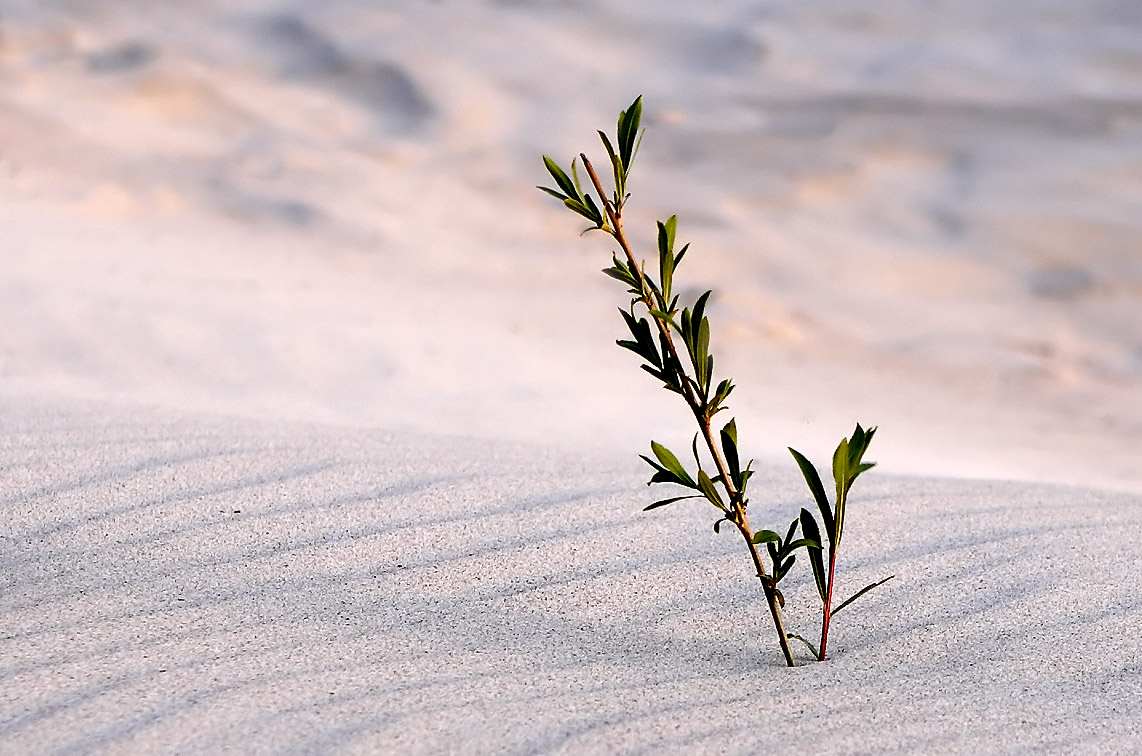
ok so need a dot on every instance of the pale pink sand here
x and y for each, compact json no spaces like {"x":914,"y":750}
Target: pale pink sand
{"x":923,"y":217}
{"x":287,"y":259}
{"x":186,"y":584}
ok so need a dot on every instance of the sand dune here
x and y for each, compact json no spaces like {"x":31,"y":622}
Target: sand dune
{"x":313,"y":435}
{"x":185,"y":583}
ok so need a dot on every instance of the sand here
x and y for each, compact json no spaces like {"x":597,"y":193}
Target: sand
{"x":194,"y":584}
{"x":314,"y":438}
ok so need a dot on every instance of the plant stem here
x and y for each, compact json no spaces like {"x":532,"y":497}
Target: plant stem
{"x":737,"y":502}
{"x":827,"y":612}
{"x":770,"y":591}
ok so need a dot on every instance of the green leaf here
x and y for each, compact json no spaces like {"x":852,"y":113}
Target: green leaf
{"x":702,"y":365}
{"x":665,"y":317}
{"x":700,"y":308}
{"x":856,"y":445}
{"x":643,"y":345}
{"x":716,"y":404}
{"x":610,"y":148}
{"x":808,"y":543}
{"x":629,"y":121}
{"x":707,"y":487}
{"x":816,"y":554}
{"x":729,"y":436}
{"x":595,"y":214}
{"x":681,"y":253}
{"x":561,"y":178}
{"x":766,"y":536}
{"x":670,"y":227}
{"x":668,"y":380}
{"x":621,"y":275}
{"x":631,"y":321}
{"x":634,"y":346}
{"x":813,"y":479}
{"x":743,"y":479}
{"x":812,"y":648}
{"x":665,"y":258}
{"x":841,"y":468}
{"x":575,"y":177}
{"x":860,"y":593}
{"x":662,"y":475}
{"x":588,"y":211}
{"x":664,"y":502}
{"x":789,"y":535}
{"x":671,"y":463}
{"x":557,"y":195}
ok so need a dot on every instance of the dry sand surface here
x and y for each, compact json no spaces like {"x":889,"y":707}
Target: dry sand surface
{"x":313,"y":437}
{"x":179,"y":584}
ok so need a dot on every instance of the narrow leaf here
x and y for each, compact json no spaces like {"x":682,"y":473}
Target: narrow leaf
{"x":610,"y":148}
{"x":557,"y":195}
{"x":665,"y":259}
{"x":860,"y":593}
{"x":816,"y":556}
{"x":681,"y":253}
{"x":671,"y":463}
{"x":730,"y":449}
{"x":700,"y":307}
{"x":621,"y":275}
{"x":670,"y":227}
{"x":665,"y":317}
{"x":629,"y":121}
{"x":596,"y":215}
{"x":785,"y":567}
{"x":634,"y":346}
{"x":814,"y":481}
{"x":789,"y":534}
{"x":707,"y":487}
{"x":808,"y":543}
{"x":743,"y":479}
{"x":702,"y":364}
{"x":812,"y":648}
{"x":664,"y":502}
{"x":841,"y":467}
{"x":561,"y":178}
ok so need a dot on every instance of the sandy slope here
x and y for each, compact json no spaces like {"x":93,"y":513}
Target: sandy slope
{"x":922,"y":217}
{"x":313,"y":437}
{"x":187,"y":584}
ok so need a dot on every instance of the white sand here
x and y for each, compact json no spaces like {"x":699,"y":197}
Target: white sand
{"x":189,"y":584}
{"x":313,"y":436}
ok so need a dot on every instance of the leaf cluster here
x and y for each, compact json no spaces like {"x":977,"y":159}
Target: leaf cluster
{"x":848,"y":465}
{"x":781,"y":551}
{"x":656,"y":324}
{"x":570,"y":190}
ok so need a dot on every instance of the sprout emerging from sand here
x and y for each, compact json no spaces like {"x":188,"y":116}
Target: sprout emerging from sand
{"x":848,"y":465}
{"x":657,"y":324}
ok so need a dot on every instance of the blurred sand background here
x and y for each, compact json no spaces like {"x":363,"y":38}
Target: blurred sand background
{"x":313,"y":435}
{"x":919,"y":215}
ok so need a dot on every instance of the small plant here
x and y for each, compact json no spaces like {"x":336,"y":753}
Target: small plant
{"x":848,"y":465}
{"x":656,"y":324}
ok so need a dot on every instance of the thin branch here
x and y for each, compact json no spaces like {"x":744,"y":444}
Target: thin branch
{"x":736,"y":497}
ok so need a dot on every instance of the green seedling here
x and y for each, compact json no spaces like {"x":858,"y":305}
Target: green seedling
{"x":674,"y":344}
{"x":848,"y":465}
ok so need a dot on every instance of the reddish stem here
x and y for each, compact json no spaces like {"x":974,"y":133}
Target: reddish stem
{"x":828,"y":611}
